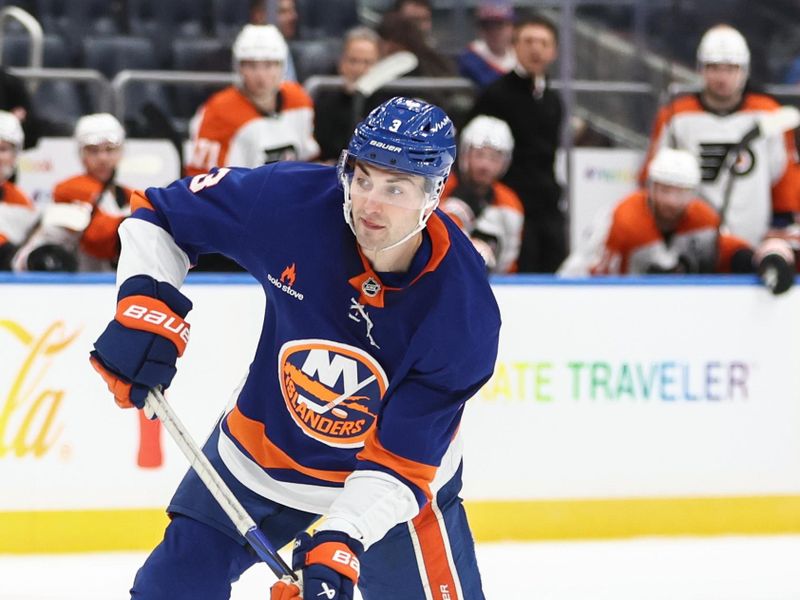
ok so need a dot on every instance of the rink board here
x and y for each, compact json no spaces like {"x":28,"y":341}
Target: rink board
{"x":617,"y":408}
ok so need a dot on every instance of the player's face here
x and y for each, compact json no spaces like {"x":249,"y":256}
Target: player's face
{"x":723,"y":82}
{"x":8,"y":160}
{"x":386,"y":205}
{"x":669,"y":203}
{"x":100,"y":160}
{"x":261,"y":78}
{"x":536,"y":48}
{"x":357,"y":57}
{"x":484,"y":165}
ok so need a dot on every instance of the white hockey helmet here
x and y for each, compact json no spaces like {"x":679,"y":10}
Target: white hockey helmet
{"x":722,"y":44}
{"x":99,"y":128}
{"x":11,"y":130}
{"x":677,"y":168}
{"x":486,"y":132}
{"x":260,"y":42}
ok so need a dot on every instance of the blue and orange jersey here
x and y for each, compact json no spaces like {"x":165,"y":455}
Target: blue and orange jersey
{"x":354,"y":369}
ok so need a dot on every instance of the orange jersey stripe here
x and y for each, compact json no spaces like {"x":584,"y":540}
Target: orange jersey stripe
{"x":252,"y":435}
{"x":433,"y":548}
{"x":417,"y":473}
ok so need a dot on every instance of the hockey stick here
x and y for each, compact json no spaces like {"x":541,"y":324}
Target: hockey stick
{"x":155,"y":403}
{"x":768,"y":124}
{"x":382,"y":72}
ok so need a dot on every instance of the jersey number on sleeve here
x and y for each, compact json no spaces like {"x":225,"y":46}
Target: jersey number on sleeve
{"x":207,"y":180}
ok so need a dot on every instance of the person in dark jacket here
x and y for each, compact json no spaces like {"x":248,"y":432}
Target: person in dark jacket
{"x":534,"y":111}
{"x":335,"y":108}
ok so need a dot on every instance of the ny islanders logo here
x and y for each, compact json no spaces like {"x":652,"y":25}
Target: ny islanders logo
{"x":333,"y":391}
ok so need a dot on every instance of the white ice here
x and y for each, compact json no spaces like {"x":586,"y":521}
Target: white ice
{"x":716,"y":568}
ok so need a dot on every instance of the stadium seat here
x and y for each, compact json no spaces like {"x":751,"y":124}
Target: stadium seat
{"x":337,"y":17}
{"x":197,"y":54}
{"x":16,"y":51}
{"x":59,"y":102}
{"x":315,"y":57}
{"x":229,"y":16}
{"x":110,"y":55}
{"x":201,"y":54}
{"x":78,"y":17}
{"x":168,"y":19}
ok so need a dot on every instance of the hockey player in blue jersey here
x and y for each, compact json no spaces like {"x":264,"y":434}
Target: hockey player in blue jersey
{"x":379,"y":327}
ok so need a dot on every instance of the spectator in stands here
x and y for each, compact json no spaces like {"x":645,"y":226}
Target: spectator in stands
{"x":260,"y":120}
{"x":489,"y":212}
{"x":754,"y":185}
{"x":418,"y":14}
{"x":17,"y":212}
{"x":666,"y":228}
{"x":78,"y":232}
{"x":286,"y":22}
{"x":524,"y":99}
{"x":286,"y":16}
{"x":491,"y":54}
{"x":334,"y":129}
{"x":398,"y":33}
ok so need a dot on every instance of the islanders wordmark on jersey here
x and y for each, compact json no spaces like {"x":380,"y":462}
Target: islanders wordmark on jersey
{"x":332,"y":390}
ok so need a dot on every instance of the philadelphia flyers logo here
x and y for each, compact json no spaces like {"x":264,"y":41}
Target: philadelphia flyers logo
{"x":333,"y":391}
{"x":714,"y":155}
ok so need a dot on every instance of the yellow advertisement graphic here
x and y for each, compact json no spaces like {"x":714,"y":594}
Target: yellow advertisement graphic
{"x":29,"y":408}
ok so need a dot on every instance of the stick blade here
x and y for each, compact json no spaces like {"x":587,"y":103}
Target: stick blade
{"x":386,"y":70}
{"x":779,"y":121}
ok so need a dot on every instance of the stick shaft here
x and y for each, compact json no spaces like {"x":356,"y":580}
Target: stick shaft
{"x":243,"y":522}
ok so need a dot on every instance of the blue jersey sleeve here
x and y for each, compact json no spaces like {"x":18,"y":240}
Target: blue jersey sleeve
{"x":209,"y":212}
{"x":423,"y":411}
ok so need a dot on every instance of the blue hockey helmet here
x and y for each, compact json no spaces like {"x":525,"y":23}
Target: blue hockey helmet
{"x":406,"y":135}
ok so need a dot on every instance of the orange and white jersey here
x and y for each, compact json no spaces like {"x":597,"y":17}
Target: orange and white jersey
{"x":17,"y":214}
{"x":503,"y":219}
{"x":627,"y":241}
{"x":110,"y":205}
{"x":84,"y":219}
{"x":767,"y":180}
{"x":228,"y":130}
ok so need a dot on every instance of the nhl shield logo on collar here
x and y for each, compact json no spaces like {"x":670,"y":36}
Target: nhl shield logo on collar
{"x":371,"y":287}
